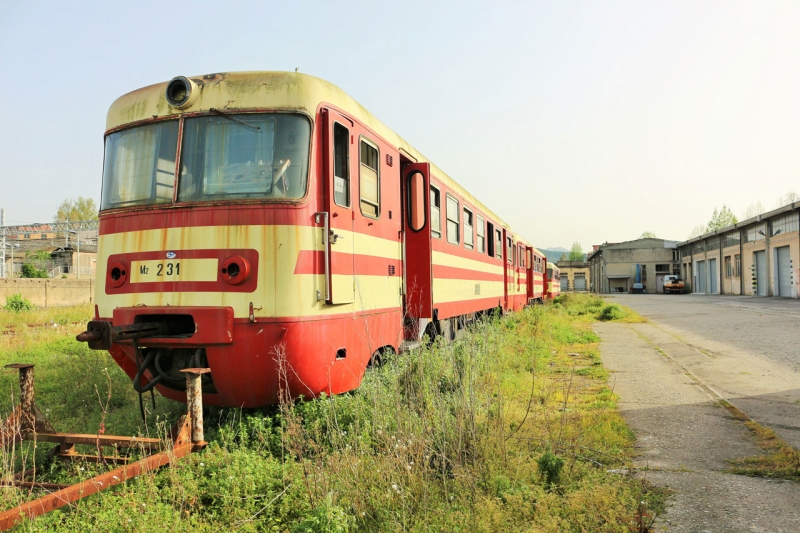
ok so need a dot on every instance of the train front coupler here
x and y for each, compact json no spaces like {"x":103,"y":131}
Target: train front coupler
{"x":101,"y":334}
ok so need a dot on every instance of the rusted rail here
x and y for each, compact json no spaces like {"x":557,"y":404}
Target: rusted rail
{"x":27,"y":423}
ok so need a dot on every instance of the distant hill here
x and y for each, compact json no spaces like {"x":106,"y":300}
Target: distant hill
{"x":554,"y":254}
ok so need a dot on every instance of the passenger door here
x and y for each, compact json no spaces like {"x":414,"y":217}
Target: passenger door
{"x":417,"y":254}
{"x":339,"y":174}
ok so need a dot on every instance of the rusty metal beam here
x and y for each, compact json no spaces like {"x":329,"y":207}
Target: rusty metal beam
{"x":33,"y":485}
{"x":95,"y":458}
{"x":65,"y":496}
{"x":94,"y":440}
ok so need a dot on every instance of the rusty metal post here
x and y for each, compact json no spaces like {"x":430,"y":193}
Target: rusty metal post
{"x":194,"y":401}
{"x":26,"y":396}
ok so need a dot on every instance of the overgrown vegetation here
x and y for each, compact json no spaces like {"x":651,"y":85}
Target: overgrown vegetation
{"x":17,"y":302}
{"x":35,"y":265}
{"x":594,"y":308}
{"x":511,"y":429}
{"x":780,"y":459}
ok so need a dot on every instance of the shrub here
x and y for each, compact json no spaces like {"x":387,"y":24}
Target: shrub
{"x":17,"y":302}
{"x":30,"y":271}
{"x":612,"y":312}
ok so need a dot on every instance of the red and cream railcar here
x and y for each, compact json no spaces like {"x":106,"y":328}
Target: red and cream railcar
{"x":536,"y":275}
{"x":264,"y":225}
{"x":553,"y":281}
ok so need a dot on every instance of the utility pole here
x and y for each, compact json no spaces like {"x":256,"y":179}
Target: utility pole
{"x":3,"y":246}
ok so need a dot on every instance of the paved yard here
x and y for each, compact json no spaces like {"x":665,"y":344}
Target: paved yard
{"x":670,"y":372}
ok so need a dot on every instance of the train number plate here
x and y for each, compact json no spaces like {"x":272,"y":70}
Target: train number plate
{"x":159,"y":270}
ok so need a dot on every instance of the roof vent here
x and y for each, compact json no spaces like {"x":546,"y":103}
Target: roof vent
{"x":181,"y":92}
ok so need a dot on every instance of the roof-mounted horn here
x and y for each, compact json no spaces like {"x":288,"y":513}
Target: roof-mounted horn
{"x":181,"y":92}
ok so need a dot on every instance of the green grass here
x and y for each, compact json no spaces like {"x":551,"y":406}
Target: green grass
{"x":464,"y":437}
{"x":589,"y":307}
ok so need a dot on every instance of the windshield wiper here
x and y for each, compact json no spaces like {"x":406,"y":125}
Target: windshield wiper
{"x":236,"y":120}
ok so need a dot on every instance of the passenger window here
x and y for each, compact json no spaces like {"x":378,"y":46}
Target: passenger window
{"x":416,"y":200}
{"x":468,"y":237}
{"x":509,"y":250}
{"x":369,"y":184}
{"x":436,"y":215}
{"x":341,"y":165}
{"x":498,"y":244}
{"x":528,"y":260}
{"x":452,"y":220}
{"x":481,"y":231}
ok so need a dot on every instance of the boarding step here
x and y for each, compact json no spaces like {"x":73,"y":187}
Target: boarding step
{"x":407,"y":346}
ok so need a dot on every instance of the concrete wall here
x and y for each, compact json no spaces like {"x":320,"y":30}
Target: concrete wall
{"x":49,"y":292}
{"x":638,"y":255}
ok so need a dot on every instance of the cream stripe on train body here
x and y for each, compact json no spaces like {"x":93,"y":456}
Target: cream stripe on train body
{"x":280,"y":292}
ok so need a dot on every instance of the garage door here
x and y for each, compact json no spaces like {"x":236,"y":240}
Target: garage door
{"x":564,"y":283}
{"x":580,"y":283}
{"x":760,"y":261}
{"x":701,"y":276}
{"x":713,"y":278}
{"x":784,"y":271}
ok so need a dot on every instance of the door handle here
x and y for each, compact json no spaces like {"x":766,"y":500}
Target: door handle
{"x":334,"y":236}
{"x":326,"y":232}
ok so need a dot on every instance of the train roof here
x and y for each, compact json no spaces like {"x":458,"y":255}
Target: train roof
{"x":268,"y":90}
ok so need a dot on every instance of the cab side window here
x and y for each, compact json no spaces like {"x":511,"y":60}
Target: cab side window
{"x":341,"y":165}
{"x":369,"y":183}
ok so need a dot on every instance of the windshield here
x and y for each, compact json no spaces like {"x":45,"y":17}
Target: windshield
{"x":224,"y":157}
{"x":244,"y":156}
{"x":139,"y":166}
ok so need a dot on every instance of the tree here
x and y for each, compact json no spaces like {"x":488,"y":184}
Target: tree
{"x":721,"y":219}
{"x":754,"y":210}
{"x":76,"y":210}
{"x":787,"y":199}
{"x":36,"y":264}
{"x":648,"y":235}
{"x":576,"y":252}
{"x":30,"y":271}
{"x":563,"y":257}
{"x":696,"y":231}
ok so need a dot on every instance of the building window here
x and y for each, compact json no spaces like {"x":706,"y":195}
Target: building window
{"x":436,"y":215}
{"x":664,"y":268}
{"x":452,"y":220}
{"x":731,"y":239}
{"x":369,"y":183}
{"x":756,"y":233}
{"x":728,"y":267}
{"x":341,"y":165}
{"x":785,"y":224}
{"x":481,"y":232}
{"x":737,"y":266}
{"x":468,"y":234}
{"x":644,"y":273}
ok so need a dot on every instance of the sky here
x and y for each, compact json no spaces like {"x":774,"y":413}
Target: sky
{"x":575,"y":121}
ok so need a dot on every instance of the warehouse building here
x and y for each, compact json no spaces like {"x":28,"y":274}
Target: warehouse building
{"x":575,"y":275}
{"x":633,"y":265}
{"x":756,"y":257}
